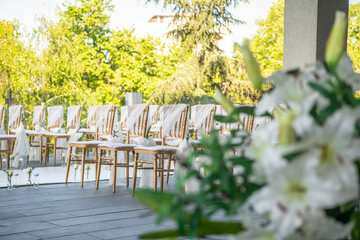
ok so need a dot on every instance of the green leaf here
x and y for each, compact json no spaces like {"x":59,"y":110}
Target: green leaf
{"x":205,"y":228}
{"x":323,"y":91}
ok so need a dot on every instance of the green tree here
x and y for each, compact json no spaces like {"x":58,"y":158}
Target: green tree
{"x":268,"y":42}
{"x":353,"y":42}
{"x":199,"y":25}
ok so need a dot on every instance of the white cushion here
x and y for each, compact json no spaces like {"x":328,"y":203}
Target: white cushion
{"x":157,"y":148}
{"x":88,"y":142}
{"x":117,"y":145}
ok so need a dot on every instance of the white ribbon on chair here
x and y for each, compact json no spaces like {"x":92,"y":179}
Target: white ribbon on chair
{"x":170,"y":120}
{"x":202,"y":114}
{"x":22,"y":147}
{"x":133,"y":119}
{"x":14,"y":114}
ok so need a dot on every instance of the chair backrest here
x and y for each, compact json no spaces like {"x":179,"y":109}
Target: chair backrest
{"x":105,"y":116}
{"x":153,"y":114}
{"x":203,"y":118}
{"x":175,"y":123}
{"x":137,"y":121}
{"x":15,"y":115}
{"x":73,"y":118}
{"x":91,"y":119}
{"x":55,"y":117}
{"x":124,"y":114}
{"x":38,"y":116}
{"x":2,"y":117}
{"x":245,"y":124}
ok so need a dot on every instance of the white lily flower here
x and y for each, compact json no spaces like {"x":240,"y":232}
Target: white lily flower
{"x":268,"y":157}
{"x":290,"y":195}
{"x":335,"y":151}
{"x":318,"y":226}
{"x":253,"y":234}
{"x":346,"y":73}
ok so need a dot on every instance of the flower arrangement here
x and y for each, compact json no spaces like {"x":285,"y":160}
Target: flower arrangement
{"x":87,"y":167}
{"x":76,"y":166}
{"x":296,"y":177}
{"x":9,"y":174}
{"x":29,"y":171}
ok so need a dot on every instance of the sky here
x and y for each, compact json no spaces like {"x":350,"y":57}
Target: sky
{"x":131,"y":12}
{"x":128,"y":13}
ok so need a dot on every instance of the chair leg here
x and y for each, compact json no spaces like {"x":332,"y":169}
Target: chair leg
{"x":68,"y":165}
{"x":41,"y":143}
{"x":168,"y":168}
{"x":98,"y":171}
{"x":82,"y":168}
{"x":114,"y":171}
{"x":96,"y":158}
{"x":46,"y":150}
{"x":135,"y":173}
{"x":162,"y":172}
{"x":155,"y":172}
{"x":127,"y":168}
{"x":54,"y":152}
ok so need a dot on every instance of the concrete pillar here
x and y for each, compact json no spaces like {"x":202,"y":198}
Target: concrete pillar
{"x":133,"y":98}
{"x":307,"y":25}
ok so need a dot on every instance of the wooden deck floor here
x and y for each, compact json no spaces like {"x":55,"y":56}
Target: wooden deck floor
{"x":60,"y":211}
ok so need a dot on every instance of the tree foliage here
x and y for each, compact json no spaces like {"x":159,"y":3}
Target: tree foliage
{"x":79,"y":60}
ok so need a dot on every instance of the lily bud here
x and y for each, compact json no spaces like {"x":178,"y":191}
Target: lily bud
{"x":251,"y":65}
{"x":224,"y":101}
{"x":336,"y":42}
{"x":286,"y":130}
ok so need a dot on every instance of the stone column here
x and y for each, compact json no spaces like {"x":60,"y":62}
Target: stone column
{"x":133,"y":98}
{"x":307,"y":25}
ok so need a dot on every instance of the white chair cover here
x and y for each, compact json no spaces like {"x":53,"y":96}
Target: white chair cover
{"x":201,"y":112}
{"x":152,"y":112}
{"x":124,"y":114}
{"x":56,"y":115}
{"x":15,"y":112}
{"x":172,"y":118}
{"x":38,"y":111}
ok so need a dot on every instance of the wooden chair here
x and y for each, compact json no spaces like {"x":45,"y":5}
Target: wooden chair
{"x":73,"y":123}
{"x":158,"y":168}
{"x":204,"y":122}
{"x":153,"y":114}
{"x":138,"y":129}
{"x":178,"y":116}
{"x":104,"y":127}
{"x":105,"y":117}
{"x":2,"y":116}
{"x":15,"y":117}
{"x":124,"y":114}
{"x":10,"y":139}
{"x":89,"y":132}
{"x":38,"y":119}
{"x":178,"y":129}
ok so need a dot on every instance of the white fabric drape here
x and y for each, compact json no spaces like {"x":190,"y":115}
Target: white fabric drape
{"x":147,"y":175}
{"x":201,"y":115}
{"x":132,"y":121}
{"x":15,"y":112}
{"x":91,"y":115}
{"x":22,"y":147}
{"x":172,"y":118}
{"x":55,"y":118}
{"x":38,"y":112}
{"x":152,"y":111}
{"x":124,"y":114}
